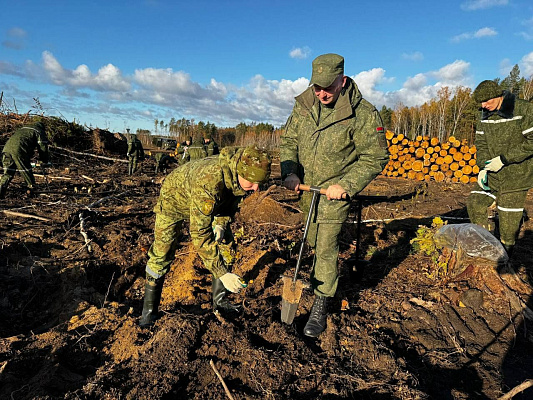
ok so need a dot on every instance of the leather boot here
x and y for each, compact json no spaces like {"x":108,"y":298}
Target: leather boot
{"x":220,"y":301}
{"x":317,"y":318}
{"x":152,"y":297}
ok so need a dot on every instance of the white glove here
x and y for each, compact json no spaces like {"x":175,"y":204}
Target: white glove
{"x":494,"y":165}
{"x":232,"y":282}
{"x":219,"y":232}
{"x":482,"y":179}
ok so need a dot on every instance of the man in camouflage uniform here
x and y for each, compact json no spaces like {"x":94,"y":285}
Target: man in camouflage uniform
{"x":17,"y":153}
{"x":206,"y":193}
{"x":195,"y":151}
{"x":135,"y":153}
{"x":211,"y":146}
{"x":333,"y":139}
{"x":504,"y":141}
{"x":182,"y":148}
{"x":163,"y":161}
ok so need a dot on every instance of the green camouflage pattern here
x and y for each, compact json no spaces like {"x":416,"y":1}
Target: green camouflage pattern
{"x":326,"y":68}
{"x":212,"y":148}
{"x":18,"y":151}
{"x":513,"y":138}
{"x":204,"y":192}
{"x":347,"y":147}
{"x":195,"y":151}
{"x":486,"y":90}
{"x":254,"y":165}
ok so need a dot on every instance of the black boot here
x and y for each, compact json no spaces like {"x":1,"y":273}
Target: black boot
{"x":317,"y":318}
{"x":220,"y":301}
{"x":152,"y":298}
{"x":3,"y":190}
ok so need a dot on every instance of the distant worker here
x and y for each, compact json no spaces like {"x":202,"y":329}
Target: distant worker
{"x":206,"y":193}
{"x":135,"y":153}
{"x":17,"y":154}
{"x":163,"y":162}
{"x":211,"y":146}
{"x":504,"y":142}
{"x":182,"y":148}
{"x":195,"y":151}
{"x":334,"y":139}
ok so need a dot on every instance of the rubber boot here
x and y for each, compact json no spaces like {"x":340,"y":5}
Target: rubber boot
{"x":220,"y":301}
{"x":3,"y":190}
{"x":152,"y":298}
{"x":317,"y":318}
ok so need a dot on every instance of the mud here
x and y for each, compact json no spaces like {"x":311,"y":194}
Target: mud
{"x":69,"y":307}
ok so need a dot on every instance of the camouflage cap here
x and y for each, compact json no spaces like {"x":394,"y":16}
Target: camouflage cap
{"x":486,"y":90}
{"x":254,"y":165}
{"x":326,"y":68}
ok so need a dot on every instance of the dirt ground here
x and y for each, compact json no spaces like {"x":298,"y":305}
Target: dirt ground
{"x":69,"y":306}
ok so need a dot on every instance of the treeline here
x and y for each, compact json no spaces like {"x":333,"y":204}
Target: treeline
{"x":451,"y":114}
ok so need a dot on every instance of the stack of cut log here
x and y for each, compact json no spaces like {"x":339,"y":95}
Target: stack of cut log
{"x":425,"y":158}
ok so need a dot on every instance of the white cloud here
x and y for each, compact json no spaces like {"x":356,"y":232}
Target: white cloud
{"x":472,"y":5}
{"x":526,"y":65}
{"x":480,"y":33}
{"x":300,"y":52}
{"x":16,"y":38}
{"x":108,"y":78}
{"x":414,"y":56}
{"x":528,"y":33}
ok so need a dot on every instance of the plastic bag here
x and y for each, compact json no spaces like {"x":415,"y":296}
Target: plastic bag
{"x":473,"y":240}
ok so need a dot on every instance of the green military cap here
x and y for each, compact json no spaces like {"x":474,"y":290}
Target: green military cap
{"x":486,"y":90}
{"x":326,"y":68}
{"x":254,"y":165}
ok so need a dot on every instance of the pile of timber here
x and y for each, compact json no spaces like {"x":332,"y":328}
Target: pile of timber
{"x":425,"y":158}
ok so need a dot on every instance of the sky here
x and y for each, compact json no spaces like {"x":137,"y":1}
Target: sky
{"x":121,"y":65}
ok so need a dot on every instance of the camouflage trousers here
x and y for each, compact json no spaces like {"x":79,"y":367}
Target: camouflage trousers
{"x":12,"y":164}
{"x":132,"y":167}
{"x":324,"y":239}
{"x":510,"y":207}
{"x":167,"y":234}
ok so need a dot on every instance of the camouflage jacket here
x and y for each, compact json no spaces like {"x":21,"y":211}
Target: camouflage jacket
{"x":24,"y":142}
{"x":348,"y":147}
{"x":199,"y":192}
{"x":135,"y":149}
{"x":195,"y":151}
{"x":212,"y":148}
{"x":509,"y":133}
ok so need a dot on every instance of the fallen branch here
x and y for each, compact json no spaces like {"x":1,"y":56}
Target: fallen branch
{"x":517,"y":389}
{"x":53,"y":177}
{"x":221,"y":380}
{"x":17,"y":214}
{"x":84,"y":233}
{"x":90,"y":155}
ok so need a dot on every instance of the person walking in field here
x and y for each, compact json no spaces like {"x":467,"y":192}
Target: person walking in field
{"x":18,"y":151}
{"x":333,"y":139}
{"x":504,"y":141}
{"x":135,"y":153}
{"x":206,"y":193}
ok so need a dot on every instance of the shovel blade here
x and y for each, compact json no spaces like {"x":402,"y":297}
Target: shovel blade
{"x":292,"y":291}
{"x":288,"y":311}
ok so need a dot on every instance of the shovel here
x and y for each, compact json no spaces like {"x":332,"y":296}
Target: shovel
{"x":292,"y":288}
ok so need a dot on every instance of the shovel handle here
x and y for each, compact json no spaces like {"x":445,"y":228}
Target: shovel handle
{"x":308,"y":188}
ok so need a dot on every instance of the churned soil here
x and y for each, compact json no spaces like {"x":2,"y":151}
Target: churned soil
{"x":72,"y":262}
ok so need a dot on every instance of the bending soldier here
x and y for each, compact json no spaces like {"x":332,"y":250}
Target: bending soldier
{"x":17,"y":153}
{"x":206,"y":193}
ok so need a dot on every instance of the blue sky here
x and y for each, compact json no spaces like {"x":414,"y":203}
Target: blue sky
{"x":122,"y":64}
